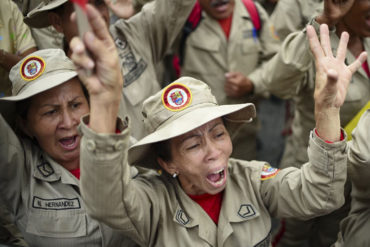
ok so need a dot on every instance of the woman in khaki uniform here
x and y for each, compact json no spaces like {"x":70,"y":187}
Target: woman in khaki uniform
{"x":291,"y":75}
{"x":203,"y":197}
{"x":355,"y":227}
{"x":39,"y":168}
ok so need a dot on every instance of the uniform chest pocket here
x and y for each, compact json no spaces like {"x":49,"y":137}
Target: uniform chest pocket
{"x":250,"y":42}
{"x":57,"y":223}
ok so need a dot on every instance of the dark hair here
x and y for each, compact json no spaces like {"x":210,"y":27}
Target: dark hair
{"x":59,"y":10}
{"x":163,"y":150}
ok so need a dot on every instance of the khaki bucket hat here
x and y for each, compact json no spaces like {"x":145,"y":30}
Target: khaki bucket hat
{"x":38,"y":17}
{"x":36,"y":73}
{"x":182,"y":106}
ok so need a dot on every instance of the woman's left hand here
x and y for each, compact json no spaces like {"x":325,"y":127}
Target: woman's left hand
{"x":332,"y":79}
{"x":105,"y":83}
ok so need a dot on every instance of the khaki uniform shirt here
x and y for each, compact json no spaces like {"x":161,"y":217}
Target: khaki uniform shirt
{"x":209,"y":55}
{"x":47,"y":37}
{"x":155,"y":211}
{"x":355,"y":227}
{"x":142,"y":41}
{"x":45,"y":200}
{"x":291,"y":75}
{"x":15,"y":38}
{"x":293,"y":15}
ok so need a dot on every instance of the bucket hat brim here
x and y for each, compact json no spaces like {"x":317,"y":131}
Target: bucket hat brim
{"x":142,"y":153}
{"x":7,"y":104}
{"x":38,"y":17}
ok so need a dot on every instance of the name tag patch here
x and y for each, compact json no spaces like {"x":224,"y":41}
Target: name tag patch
{"x":56,"y":204}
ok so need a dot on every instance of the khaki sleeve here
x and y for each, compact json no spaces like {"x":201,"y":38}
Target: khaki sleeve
{"x":110,"y":193}
{"x":12,"y":166}
{"x":315,"y":189}
{"x":359,"y":160}
{"x":283,"y":74}
{"x":287,"y":18}
{"x":270,"y":45}
{"x":355,"y":227}
{"x":22,"y":36}
{"x":159,"y":23}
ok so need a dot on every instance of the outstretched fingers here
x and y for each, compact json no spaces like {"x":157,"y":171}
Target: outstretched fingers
{"x":314,"y":42}
{"x":325,"y":40}
{"x":353,"y":67}
{"x":342,"y":47}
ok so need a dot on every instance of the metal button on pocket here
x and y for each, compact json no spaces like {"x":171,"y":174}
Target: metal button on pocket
{"x":119,"y":145}
{"x":90,"y":145}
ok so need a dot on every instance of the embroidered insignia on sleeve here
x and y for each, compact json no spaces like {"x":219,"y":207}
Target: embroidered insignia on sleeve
{"x":176,"y":97}
{"x":32,"y":68}
{"x":268,"y":172}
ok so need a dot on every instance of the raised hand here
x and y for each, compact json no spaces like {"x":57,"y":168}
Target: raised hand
{"x":123,"y":9}
{"x":332,"y":79}
{"x":104,"y":85}
{"x":334,"y":10}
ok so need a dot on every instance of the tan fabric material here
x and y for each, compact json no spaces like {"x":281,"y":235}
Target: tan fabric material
{"x":291,"y":75}
{"x":15,"y":38}
{"x":45,"y":200}
{"x":142,"y":42}
{"x":293,"y":15}
{"x":47,"y":38}
{"x":355,"y":227}
{"x":53,"y":68}
{"x":155,"y":211}
{"x":9,"y":233}
{"x":199,"y":107}
{"x":209,"y":55}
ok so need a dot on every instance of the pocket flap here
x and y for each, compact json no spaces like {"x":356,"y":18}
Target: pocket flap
{"x":57,"y":224}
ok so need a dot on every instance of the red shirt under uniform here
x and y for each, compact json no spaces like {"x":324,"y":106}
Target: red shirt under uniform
{"x":210,"y":203}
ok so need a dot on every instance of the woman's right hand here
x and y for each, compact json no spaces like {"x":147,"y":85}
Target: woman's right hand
{"x":105,"y":83}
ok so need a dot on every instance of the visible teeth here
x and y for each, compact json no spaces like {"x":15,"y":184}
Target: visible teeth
{"x":219,"y":171}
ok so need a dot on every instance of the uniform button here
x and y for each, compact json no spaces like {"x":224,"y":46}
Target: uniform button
{"x":90,"y":145}
{"x":119,"y":145}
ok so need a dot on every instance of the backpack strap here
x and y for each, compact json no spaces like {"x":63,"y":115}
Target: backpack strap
{"x":190,"y":25}
{"x":252,"y":10}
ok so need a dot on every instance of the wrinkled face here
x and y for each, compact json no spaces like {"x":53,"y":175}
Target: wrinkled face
{"x":357,"y":20}
{"x":200,"y":157}
{"x":53,"y":117}
{"x":218,"y":9}
{"x":69,"y":28}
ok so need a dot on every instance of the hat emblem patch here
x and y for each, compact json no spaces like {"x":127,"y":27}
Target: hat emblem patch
{"x":32,"y":68}
{"x":176,"y":97}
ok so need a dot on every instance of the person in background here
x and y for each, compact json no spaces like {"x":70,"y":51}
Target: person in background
{"x":15,"y":42}
{"x":290,"y":74}
{"x":141,"y":41}
{"x":268,"y":5}
{"x":227,"y":51}
{"x":203,"y":196}
{"x":293,"y":15}
{"x":47,"y":37}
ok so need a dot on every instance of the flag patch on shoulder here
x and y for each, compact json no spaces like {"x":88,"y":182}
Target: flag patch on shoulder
{"x":268,"y":172}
